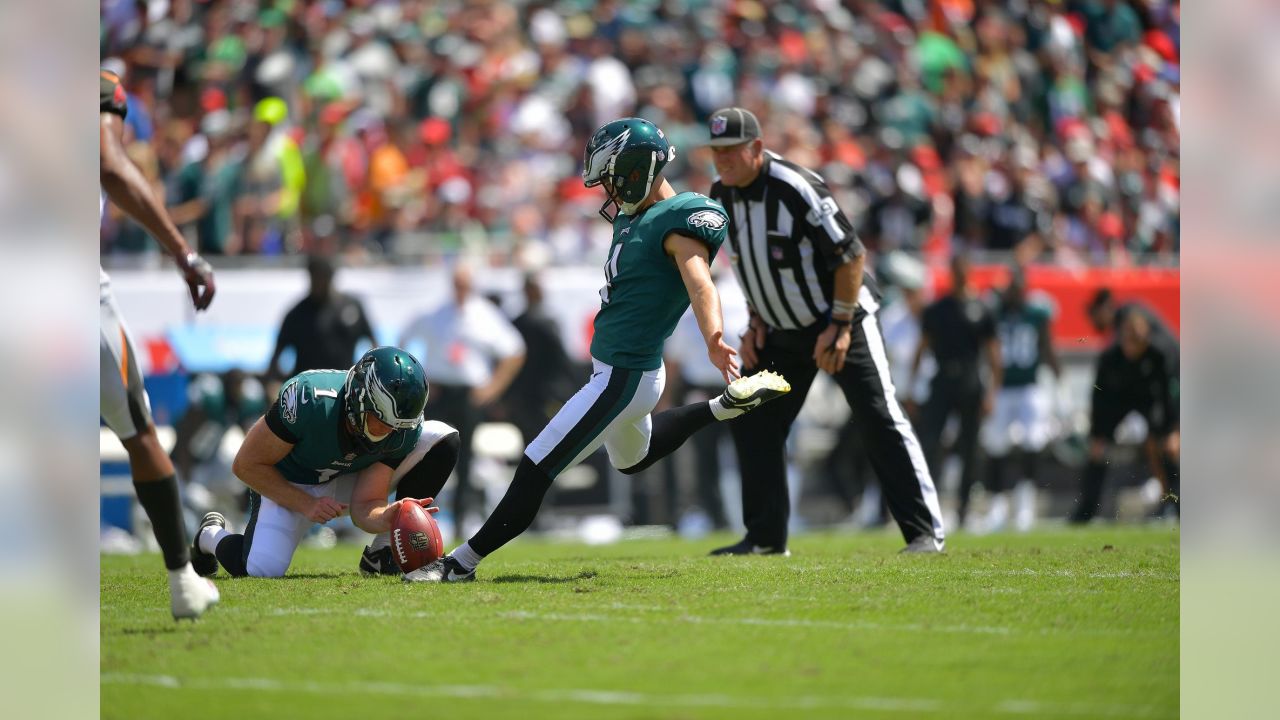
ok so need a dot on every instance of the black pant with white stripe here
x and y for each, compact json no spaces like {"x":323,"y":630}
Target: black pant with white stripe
{"x":760,"y":436}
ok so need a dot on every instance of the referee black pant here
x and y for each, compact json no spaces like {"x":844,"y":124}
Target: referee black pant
{"x":760,"y":436}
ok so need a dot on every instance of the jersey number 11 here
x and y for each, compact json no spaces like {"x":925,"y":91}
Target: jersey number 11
{"x":610,"y":272}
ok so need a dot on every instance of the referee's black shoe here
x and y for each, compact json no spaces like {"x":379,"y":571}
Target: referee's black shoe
{"x":746,"y":547}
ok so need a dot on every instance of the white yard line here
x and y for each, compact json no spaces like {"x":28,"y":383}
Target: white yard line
{"x":588,"y":696}
{"x":674,"y":615}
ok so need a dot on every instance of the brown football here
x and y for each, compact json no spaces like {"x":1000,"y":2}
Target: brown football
{"x":415,"y":537}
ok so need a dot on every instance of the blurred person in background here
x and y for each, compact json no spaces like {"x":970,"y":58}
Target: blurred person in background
{"x":801,"y":267}
{"x":1138,"y":372}
{"x":333,"y":443}
{"x":546,"y":378}
{"x":122,"y":398}
{"x":207,"y":187}
{"x":960,"y":332}
{"x":215,"y":404}
{"x":274,"y":180}
{"x":473,"y":352}
{"x":1019,"y":426}
{"x":325,"y":328}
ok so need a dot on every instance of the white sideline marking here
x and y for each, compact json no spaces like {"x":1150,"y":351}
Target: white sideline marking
{"x":615,"y":697}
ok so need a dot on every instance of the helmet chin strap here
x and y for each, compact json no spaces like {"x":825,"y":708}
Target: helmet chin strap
{"x":375,"y":438}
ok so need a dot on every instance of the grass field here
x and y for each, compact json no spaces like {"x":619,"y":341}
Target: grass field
{"x":1054,"y":624}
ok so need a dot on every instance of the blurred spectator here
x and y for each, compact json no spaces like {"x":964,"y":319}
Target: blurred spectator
{"x":960,"y":331}
{"x":471,"y":353}
{"x":1065,"y":112}
{"x":545,"y":380}
{"x":216,"y":403}
{"x":324,"y":329}
{"x":274,"y":177}
{"x":206,"y":188}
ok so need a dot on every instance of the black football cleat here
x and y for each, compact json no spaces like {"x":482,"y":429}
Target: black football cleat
{"x":378,"y":562}
{"x":746,"y":547}
{"x":206,"y":564}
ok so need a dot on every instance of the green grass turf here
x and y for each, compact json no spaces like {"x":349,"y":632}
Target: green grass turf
{"x":1058,"y":623}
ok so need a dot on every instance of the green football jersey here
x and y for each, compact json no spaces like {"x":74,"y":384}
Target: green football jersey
{"x":309,"y":414}
{"x":644,"y":296}
{"x":1020,"y":330}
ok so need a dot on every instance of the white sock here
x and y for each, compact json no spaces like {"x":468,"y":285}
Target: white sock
{"x":210,"y":537}
{"x":176,"y":575}
{"x":721,"y":412}
{"x":381,"y":540}
{"x":466,"y":557}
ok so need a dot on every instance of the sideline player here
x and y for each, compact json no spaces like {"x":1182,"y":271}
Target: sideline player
{"x":1019,"y":424}
{"x":333,"y":441}
{"x":658,"y":265}
{"x":123,"y":402}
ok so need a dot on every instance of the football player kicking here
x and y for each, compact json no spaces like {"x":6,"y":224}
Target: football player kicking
{"x":333,"y":440}
{"x":658,"y":264}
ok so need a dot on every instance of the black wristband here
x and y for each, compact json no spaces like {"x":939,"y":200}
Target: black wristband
{"x":840,"y":322}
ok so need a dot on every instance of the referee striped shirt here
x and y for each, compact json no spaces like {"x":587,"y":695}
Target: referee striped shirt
{"x":786,"y":238}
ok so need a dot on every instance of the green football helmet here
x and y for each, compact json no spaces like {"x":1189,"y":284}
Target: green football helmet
{"x":625,"y":156}
{"x":391,"y":384}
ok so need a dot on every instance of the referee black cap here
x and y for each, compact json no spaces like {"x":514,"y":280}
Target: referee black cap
{"x":732,"y":126}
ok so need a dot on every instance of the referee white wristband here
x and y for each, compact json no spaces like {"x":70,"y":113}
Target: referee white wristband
{"x":840,"y":308}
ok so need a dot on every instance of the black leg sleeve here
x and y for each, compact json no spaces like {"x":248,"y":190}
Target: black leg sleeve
{"x":231,"y":555}
{"x":164,"y":507}
{"x":670,"y":430}
{"x":428,"y":476}
{"x":516,"y":510}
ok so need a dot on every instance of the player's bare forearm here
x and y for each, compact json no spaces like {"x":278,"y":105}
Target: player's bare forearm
{"x":372,"y":515}
{"x":847,"y":285}
{"x":693,"y":261}
{"x":255,"y":464}
{"x":129,"y":189}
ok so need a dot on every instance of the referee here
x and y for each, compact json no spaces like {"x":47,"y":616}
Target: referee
{"x":800,"y":266}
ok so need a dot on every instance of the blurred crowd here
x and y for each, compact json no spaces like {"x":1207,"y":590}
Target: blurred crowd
{"x":1049,"y":128}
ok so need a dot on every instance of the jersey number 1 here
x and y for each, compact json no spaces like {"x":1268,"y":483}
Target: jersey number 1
{"x":610,"y":272}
